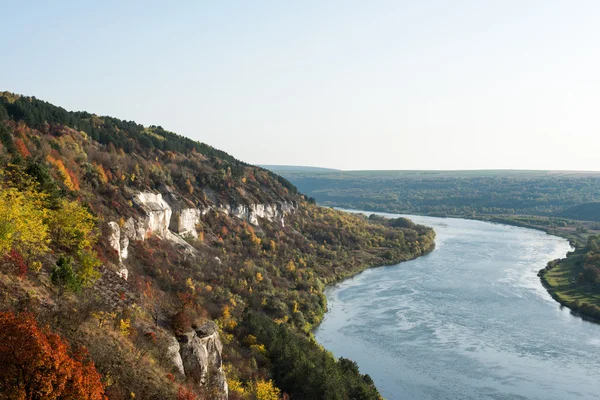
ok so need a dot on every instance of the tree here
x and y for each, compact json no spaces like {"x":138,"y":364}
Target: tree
{"x":64,"y":277}
{"x":22,"y":222}
{"x":266,"y":390}
{"x":36,"y":364}
{"x":153,"y":301}
{"x":72,"y":226}
{"x":88,"y":264}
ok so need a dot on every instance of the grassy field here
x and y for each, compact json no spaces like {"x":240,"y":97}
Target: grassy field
{"x":562,"y":282}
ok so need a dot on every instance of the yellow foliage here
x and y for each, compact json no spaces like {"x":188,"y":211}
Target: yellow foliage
{"x":190,"y":284}
{"x":102,"y":317}
{"x":230,"y":325}
{"x":22,"y":225}
{"x":101,"y":173}
{"x":235,"y":386}
{"x":125,"y":327}
{"x":72,"y":226}
{"x":259,"y":277}
{"x":260,"y":348}
{"x":250,"y":340}
{"x":291,"y":266}
{"x":88,"y":262}
{"x":257,"y":241}
{"x":266,"y":390}
{"x":35,"y":267}
{"x":226,"y":313}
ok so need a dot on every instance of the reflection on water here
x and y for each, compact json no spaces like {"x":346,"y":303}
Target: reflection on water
{"x":468,"y":321}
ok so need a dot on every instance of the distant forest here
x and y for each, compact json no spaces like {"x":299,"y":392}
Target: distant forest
{"x":460,"y":193}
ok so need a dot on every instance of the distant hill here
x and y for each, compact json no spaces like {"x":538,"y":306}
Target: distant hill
{"x":469,"y":192}
{"x":297,"y":168}
{"x":584,"y":212}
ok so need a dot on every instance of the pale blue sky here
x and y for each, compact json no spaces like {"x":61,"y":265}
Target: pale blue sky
{"x":343,"y":84}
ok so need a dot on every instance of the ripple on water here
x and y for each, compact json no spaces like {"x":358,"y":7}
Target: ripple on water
{"x":468,"y":321}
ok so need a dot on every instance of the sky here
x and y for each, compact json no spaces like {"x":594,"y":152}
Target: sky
{"x":423,"y":84}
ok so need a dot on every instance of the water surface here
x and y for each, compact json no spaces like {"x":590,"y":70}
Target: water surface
{"x":471,"y":320}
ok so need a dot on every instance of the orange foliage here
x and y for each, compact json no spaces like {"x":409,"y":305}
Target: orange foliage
{"x":74,"y":180}
{"x":22,"y":148}
{"x":65,"y":174}
{"x":36,"y":364}
{"x":101,"y":173}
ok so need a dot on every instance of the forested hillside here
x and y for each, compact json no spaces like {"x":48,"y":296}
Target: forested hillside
{"x":460,"y":193}
{"x":133,"y":248}
{"x":585,"y":212}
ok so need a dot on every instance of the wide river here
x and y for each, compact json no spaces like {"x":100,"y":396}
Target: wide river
{"x":470,"y":320}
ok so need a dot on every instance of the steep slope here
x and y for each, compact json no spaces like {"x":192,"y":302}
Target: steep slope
{"x":184,"y":271}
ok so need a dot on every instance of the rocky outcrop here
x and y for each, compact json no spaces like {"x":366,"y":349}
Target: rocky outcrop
{"x":173,"y":353}
{"x":156,"y":219}
{"x":184,"y":221}
{"x":114,"y":237}
{"x":179,"y":221}
{"x":200,"y":352}
{"x":119,"y":242}
{"x":271,"y":212}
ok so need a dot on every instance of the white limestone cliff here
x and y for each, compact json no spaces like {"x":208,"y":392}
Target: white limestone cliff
{"x":201,"y":355}
{"x":114,"y":237}
{"x":184,"y":220}
{"x":160,"y":219}
{"x":174,"y":356}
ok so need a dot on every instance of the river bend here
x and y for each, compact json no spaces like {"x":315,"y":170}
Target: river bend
{"x":470,"y":320}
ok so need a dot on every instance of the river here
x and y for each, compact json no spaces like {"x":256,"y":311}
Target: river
{"x":470,"y":320}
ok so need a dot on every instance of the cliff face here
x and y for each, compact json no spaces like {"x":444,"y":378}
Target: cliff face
{"x":159,"y":218}
{"x":184,"y":220}
{"x":198,"y":356}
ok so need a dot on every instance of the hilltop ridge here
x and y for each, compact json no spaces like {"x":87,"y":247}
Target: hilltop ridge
{"x":181,"y":269}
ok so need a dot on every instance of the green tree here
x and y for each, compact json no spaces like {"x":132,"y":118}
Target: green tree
{"x":64,"y":277}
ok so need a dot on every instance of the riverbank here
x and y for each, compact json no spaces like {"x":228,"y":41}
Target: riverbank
{"x":458,"y":322}
{"x":563,"y":280}
{"x":366,"y":263}
{"x":561,"y":277}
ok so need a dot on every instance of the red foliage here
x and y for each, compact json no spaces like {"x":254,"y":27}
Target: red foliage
{"x":182,"y":323}
{"x":74,"y":179}
{"x":36,"y":364}
{"x":15,"y":258}
{"x":186,"y":394}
